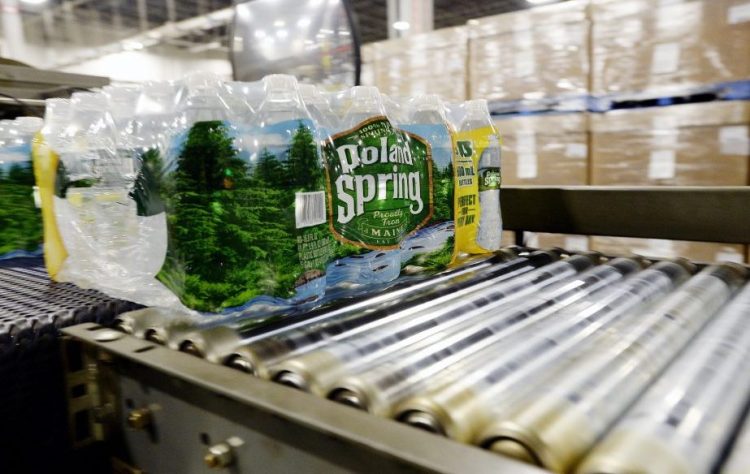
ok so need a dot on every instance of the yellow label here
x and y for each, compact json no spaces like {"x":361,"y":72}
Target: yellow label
{"x":469,"y":146}
{"x":45,"y":172}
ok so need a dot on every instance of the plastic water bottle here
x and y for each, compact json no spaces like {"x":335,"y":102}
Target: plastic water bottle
{"x":203,"y":100}
{"x":122,"y":101}
{"x":477,"y":119}
{"x":319,"y":108}
{"x":366,"y":102}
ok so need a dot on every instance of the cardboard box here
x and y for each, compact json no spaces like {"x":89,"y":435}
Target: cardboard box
{"x":657,"y":248}
{"x":640,"y":45}
{"x":687,"y":145}
{"x":530,"y":54}
{"x":545,"y":149}
{"x":541,"y":240}
{"x":428,"y":63}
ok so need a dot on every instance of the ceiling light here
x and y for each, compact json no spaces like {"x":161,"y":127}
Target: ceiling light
{"x":243,"y":11}
{"x":260,"y":34}
{"x":401,"y":25}
{"x":282,"y":34}
{"x":33,"y":2}
{"x":540,"y":2}
{"x":279,"y":23}
{"x":303,"y":22}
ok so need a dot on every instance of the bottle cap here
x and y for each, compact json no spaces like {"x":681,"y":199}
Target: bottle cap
{"x":89,"y":101}
{"x":365,"y":93}
{"x":156,"y":97}
{"x":310,"y":94}
{"x":29,"y":125}
{"x":279,"y":83}
{"x":428,"y":102}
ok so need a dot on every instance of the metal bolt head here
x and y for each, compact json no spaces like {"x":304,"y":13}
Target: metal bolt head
{"x":211,"y":460}
{"x":139,"y":419}
{"x":219,"y":456}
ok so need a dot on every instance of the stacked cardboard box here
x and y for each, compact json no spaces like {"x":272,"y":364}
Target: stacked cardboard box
{"x":543,"y":240}
{"x":686,"y":145}
{"x":657,"y":248}
{"x":640,"y":45}
{"x":433,"y":63}
{"x":545,"y":149}
{"x":689,"y":145}
{"x":530,"y":54}
{"x":549,"y":150}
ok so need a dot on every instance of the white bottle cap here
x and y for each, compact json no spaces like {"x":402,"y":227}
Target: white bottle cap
{"x":29,"y":125}
{"x":310,"y":94}
{"x":57,"y":110}
{"x":122,"y":102}
{"x":89,"y":101}
{"x":202,"y":79}
{"x":157,"y":98}
{"x":477,"y":105}
{"x":365,"y":94}
{"x":279,"y":83}
{"x":428,"y":102}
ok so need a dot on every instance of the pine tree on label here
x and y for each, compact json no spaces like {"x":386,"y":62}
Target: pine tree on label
{"x":208,"y":170}
{"x":232,"y":231}
{"x":303,"y":163}
{"x":148,"y":186}
{"x":20,"y":220}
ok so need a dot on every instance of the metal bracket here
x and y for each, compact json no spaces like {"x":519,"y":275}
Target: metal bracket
{"x":199,"y":411}
{"x":90,"y":394}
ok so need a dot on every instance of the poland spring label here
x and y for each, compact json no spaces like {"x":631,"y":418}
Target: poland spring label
{"x":379,"y":183}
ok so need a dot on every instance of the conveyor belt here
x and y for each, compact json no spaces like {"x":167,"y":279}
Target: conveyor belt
{"x":31,"y":305}
{"x":33,"y":435}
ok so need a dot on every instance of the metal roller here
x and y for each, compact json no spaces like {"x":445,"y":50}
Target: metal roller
{"x":553,"y":415}
{"x":738,"y":461}
{"x":685,"y":419}
{"x":454,"y":405}
{"x":250,"y":351}
{"x":139,"y":321}
{"x":491,"y":308}
{"x":381,"y":384}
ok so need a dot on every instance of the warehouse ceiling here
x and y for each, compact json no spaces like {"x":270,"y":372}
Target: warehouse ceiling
{"x":199,"y":25}
{"x":373,"y":24}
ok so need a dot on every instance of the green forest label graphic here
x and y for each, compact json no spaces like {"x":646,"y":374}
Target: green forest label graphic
{"x":379,"y":182}
{"x":232,"y":233}
{"x":20,"y":220}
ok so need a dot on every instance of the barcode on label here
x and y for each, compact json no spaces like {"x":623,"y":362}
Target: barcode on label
{"x":310,"y":209}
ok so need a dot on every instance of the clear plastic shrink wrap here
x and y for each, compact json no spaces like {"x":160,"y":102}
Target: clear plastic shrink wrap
{"x":218,"y":197}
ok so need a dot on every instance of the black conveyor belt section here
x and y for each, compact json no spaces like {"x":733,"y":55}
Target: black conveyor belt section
{"x":33,"y":432}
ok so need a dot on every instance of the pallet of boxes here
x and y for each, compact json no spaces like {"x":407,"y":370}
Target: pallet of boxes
{"x":537,"y":61}
{"x":670,"y":54}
